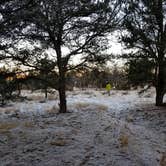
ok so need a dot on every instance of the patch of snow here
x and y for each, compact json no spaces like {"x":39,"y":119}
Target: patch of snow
{"x":115,"y":103}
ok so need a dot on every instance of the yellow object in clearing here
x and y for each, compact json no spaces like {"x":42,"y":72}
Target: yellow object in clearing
{"x":108,"y":87}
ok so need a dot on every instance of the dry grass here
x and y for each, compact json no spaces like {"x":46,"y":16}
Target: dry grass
{"x":52,"y":97}
{"x":8,"y":110}
{"x":5,"y":127}
{"x":124,"y":140}
{"x":36,"y":97}
{"x":41,"y":97}
{"x":101,"y":107}
{"x":81,"y":106}
{"x":52,"y":110}
{"x":163,"y":160}
{"x":89,"y":106}
{"x":129,"y":118}
{"x":59,"y":139}
{"x":58,"y":143}
{"x":28,"y":124}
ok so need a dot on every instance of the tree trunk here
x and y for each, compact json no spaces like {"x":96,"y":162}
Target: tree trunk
{"x":160,"y":88}
{"x":62,"y":92}
{"x":159,"y":96}
{"x":62,"y":80}
{"x":46,"y":93}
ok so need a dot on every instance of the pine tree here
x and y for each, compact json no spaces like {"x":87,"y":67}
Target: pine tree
{"x":146,"y":32}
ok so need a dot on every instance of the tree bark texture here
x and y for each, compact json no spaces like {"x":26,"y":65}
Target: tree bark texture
{"x":62,"y":92}
{"x":160,"y":86}
{"x":62,"y":80}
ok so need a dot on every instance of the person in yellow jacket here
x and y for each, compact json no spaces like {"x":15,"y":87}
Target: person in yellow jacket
{"x":108,"y":88}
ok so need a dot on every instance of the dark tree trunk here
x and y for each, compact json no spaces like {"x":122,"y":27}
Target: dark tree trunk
{"x":159,"y":92}
{"x":62,"y":80}
{"x":46,"y":94}
{"x":160,"y":87}
{"x":62,"y":92}
{"x":161,"y":68}
{"x":19,"y":89}
{"x":159,"y":96}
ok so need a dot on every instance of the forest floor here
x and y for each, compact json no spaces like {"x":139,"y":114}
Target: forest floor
{"x":124,"y":129}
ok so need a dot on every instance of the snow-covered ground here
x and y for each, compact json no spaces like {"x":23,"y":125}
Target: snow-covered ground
{"x":115,"y":103}
{"x":123,"y":129}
